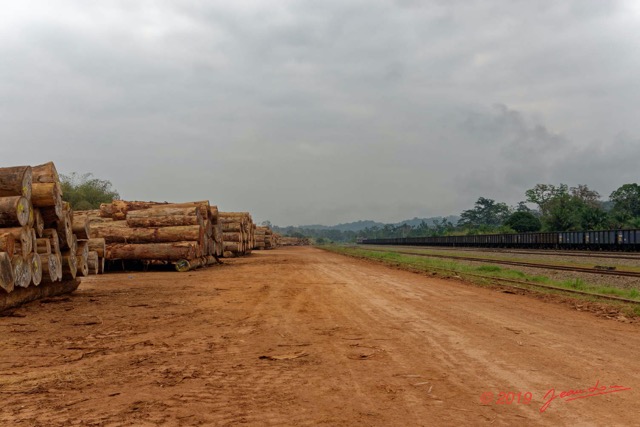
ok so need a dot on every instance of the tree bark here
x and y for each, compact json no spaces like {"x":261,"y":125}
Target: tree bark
{"x":163,"y":221}
{"x":20,"y":296}
{"x":153,"y":251}
{"x":149,"y":235}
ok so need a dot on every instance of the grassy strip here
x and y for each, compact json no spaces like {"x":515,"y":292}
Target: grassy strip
{"x":458,"y":254}
{"x":486,"y":271}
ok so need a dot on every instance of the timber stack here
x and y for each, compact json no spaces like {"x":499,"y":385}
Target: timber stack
{"x":239,"y":233}
{"x":293,"y":241}
{"x":40,"y":252}
{"x":265,"y":238}
{"x":186,"y":235}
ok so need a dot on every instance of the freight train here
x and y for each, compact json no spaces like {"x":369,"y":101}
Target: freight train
{"x":621,"y":240}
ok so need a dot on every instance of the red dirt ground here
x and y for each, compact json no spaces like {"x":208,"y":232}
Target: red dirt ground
{"x":299,"y":336}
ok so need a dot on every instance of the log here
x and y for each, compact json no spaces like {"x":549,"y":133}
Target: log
{"x":214,"y":214}
{"x":232,"y":227}
{"x":6,"y":273}
{"x":65,"y":230}
{"x":43,"y":246}
{"x":16,"y":181}
{"x":191,"y":264}
{"x":69,"y":265}
{"x":21,"y":235}
{"x":21,"y":296}
{"x":50,"y":267}
{"x":45,"y":194}
{"x":38,"y":223}
{"x":81,"y":226}
{"x":54,"y":240}
{"x":150,"y":235}
{"x":83,"y":266}
{"x":7,"y":243}
{"x":232,"y":247}
{"x":82,"y":248}
{"x":35,"y":263}
{"x":51,"y":215}
{"x":45,"y":173}
{"x":21,"y":271}
{"x":106,"y":210}
{"x":153,"y":251}
{"x":93,"y":262}
{"x":231,"y":237}
{"x":98,"y":245}
{"x":163,"y":221}
{"x":14,"y":211}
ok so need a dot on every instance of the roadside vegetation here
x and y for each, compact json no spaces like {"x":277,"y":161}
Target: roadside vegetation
{"x":85,"y":192}
{"x":487,"y":274}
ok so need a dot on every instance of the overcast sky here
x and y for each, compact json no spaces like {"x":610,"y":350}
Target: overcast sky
{"x":327,"y":111}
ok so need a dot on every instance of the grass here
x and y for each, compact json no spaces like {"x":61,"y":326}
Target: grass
{"x":485,"y":271}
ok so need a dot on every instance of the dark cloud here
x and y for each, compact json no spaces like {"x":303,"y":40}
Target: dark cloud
{"x":324,"y":112}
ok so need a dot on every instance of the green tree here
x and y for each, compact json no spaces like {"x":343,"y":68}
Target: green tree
{"x":486,"y":212}
{"x":542,"y":194}
{"x":626,"y":202}
{"x":523,"y":221}
{"x":85,"y":192}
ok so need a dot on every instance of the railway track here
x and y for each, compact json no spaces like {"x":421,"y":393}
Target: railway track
{"x":519,"y":284}
{"x":567,"y":253}
{"x":519,"y":263}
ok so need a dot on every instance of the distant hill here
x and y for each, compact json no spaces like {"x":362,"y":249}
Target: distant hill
{"x":362,"y":224}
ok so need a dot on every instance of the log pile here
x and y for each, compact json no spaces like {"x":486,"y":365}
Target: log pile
{"x":293,"y":241}
{"x":265,"y":238}
{"x":186,"y":235}
{"x":40,"y":251}
{"x":239,"y":233}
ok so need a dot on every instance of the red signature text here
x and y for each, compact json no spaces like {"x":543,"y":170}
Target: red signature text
{"x":569,"y":395}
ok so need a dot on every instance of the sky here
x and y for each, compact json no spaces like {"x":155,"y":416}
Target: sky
{"x":325,"y":112}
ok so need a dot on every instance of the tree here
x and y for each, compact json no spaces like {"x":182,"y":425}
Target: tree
{"x":523,"y":221}
{"x":85,"y":192}
{"x":485,"y":212}
{"x":626,"y":202}
{"x":542,"y":194}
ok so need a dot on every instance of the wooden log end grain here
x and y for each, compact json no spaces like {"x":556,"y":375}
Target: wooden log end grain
{"x":6,"y":273}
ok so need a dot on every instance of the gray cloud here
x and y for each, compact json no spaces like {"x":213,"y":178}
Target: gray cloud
{"x":324,"y":112}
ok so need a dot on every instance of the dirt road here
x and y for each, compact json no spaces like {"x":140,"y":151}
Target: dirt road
{"x":299,"y":336}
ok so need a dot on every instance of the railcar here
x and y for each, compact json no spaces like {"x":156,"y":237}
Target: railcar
{"x":625,"y":240}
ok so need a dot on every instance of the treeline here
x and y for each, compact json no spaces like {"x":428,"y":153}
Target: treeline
{"x":554,"y":208}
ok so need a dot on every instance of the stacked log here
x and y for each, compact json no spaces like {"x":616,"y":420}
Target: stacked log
{"x":265,"y":238}
{"x":182,"y":234}
{"x":238,"y":233}
{"x":293,"y":241}
{"x":37,"y":239}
